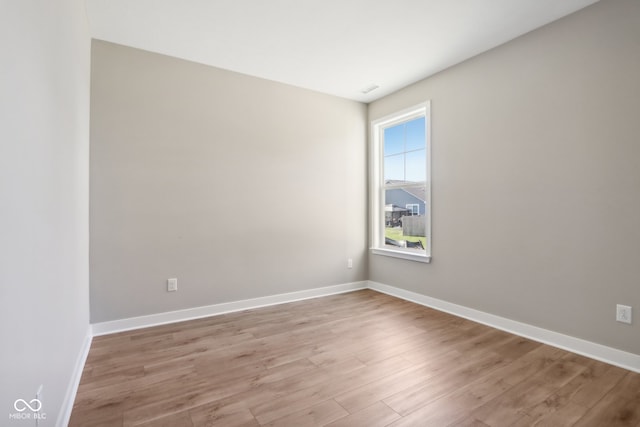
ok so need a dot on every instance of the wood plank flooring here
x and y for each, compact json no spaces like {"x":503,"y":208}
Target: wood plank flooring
{"x":356,"y":359}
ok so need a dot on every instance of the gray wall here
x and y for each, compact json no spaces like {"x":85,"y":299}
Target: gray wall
{"x":44,"y":161}
{"x":214,"y":177}
{"x":536,"y":178}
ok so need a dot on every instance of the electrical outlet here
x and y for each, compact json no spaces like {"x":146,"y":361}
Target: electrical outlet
{"x":172,"y":285}
{"x":623,"y":313}
{"x":349,"y":263}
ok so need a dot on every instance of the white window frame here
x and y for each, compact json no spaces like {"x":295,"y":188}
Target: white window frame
{"x":377,"y":185}
{"x":410,"y":206}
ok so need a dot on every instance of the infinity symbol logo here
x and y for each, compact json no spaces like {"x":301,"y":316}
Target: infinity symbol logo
{"x":21,"y":405}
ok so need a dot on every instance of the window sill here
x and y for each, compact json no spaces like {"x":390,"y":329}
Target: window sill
{"x":403,"y":255}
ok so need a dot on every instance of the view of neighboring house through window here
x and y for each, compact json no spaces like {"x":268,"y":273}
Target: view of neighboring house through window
{"x":400,"y":187}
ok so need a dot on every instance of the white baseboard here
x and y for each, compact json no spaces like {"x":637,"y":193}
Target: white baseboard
{"x":131,"y":323}
{"x":70,"y":396}
{"x":589,"y":349}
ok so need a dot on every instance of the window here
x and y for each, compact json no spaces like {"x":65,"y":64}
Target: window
{"x":413,"y":208}
{"x":401,"y":184}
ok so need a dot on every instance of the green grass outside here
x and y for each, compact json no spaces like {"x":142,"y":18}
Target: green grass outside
{"x":395,"y":233}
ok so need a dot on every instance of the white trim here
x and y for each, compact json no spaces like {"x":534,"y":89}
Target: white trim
{"x":70,"y":396}
{"x":590,"y":349}
{"x":128,"y":324}
{"x":412,"y":205}
{"x":401,"y":254}
{"x":376,"y":178}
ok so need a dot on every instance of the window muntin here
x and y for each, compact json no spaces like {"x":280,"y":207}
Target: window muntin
{"x":400,"y":184}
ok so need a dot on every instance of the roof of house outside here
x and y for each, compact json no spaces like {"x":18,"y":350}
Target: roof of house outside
{"x":417,"y":192}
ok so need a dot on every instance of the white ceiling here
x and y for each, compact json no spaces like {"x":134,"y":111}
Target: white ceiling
{"x":337,"y":47}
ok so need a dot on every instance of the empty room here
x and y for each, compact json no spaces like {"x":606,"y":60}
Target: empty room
{"x":306,"y":213}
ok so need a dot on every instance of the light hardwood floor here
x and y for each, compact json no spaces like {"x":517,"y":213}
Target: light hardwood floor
{"x":356,"y":359}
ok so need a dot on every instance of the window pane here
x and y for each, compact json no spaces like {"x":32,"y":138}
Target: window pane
{"x":394,"y":167}
{"x":416,"y":166}
{"x":415,"y":134}
{"x":394,"y":140}
{"x":403,"y":229}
